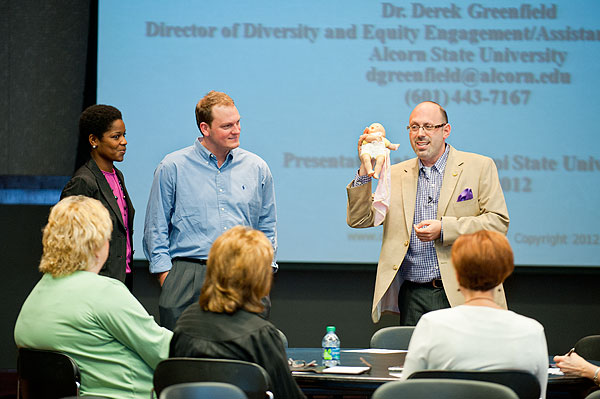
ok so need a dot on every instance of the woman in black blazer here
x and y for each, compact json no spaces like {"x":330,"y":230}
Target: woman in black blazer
{"x":102,"y":130}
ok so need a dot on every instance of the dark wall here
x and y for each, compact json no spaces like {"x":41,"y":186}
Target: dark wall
{"x":43,"y":58}
{"x":42,"y":76}
{"x":43,"y":66}
{"x":21,"y":249}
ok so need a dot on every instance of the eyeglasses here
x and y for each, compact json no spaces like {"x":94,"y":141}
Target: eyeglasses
{"x":426,"y":128}
{"x":301,"y":363}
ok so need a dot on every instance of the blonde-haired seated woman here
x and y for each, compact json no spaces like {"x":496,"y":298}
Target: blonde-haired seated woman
{"x":92,"y":318}
{"x":479,"y":335}
{"x":225,"y":323}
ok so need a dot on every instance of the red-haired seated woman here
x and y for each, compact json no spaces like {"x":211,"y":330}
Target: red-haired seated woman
{"x":225,"y":323}
{"x":92,"y":318}
{"x":479,"y":335}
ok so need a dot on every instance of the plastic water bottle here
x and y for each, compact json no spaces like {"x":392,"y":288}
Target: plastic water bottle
{"x":331,"y":348}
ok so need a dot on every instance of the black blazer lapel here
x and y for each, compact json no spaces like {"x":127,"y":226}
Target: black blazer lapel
{"x":106,"y":191}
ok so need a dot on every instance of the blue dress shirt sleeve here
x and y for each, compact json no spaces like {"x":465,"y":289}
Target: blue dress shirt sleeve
{"x":267,"y":222}
{"x":158,"y":217}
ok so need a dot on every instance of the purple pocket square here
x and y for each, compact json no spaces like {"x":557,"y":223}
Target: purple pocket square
{"x":467,"y":194}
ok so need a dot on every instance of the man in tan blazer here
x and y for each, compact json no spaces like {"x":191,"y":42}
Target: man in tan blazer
{"x":434,"y":198}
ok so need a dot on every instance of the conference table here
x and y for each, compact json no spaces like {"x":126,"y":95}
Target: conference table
{"x":314,"y":382}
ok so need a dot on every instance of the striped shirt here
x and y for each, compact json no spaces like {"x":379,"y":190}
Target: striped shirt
{"x":420,"y":263}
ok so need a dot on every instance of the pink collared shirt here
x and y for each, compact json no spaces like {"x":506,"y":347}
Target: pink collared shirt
{"x":115,"y":185}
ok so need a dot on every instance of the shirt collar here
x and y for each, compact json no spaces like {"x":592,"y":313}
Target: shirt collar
{"x":112,"y":172}
{"x":206,"y":154}
{"x":440,"y":164}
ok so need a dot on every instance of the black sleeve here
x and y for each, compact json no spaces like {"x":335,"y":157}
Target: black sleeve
{"x":79,"y":185}
{"x":270,"y":354}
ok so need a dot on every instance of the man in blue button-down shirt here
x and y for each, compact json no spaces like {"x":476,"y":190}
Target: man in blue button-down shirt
{"x":198,"y":193}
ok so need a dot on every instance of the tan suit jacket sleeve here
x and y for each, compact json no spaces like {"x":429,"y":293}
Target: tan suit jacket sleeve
{"x":360,"y":212}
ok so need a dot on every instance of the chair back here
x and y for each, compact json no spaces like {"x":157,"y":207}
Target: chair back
{"x":284,"y":339}
{"x":524,"y":384}
{"x":249,"y":377}
{"x":442,"y":388}
{"x":392,"y":337}
{"x":593,"y":395}
{"x":86,"y":397}
{"x":203,"y":390}
{"x":589,"y":347}
{"x":46,"y":374}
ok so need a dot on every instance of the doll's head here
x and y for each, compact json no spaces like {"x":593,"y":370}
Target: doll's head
{"x":377,"y":128}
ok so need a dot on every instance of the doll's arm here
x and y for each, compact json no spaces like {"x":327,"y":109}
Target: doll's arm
{"x":391,"y":146}
{"x":371,"y":137}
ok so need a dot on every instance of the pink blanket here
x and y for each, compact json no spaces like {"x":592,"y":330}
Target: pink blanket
{"x":381,"y":199}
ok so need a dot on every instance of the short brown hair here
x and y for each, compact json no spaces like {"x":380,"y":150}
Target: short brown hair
{"x":77,"y":228}
{"x":482,"y":260}
{"x":206,"y":104}
{"x":238,"y":272}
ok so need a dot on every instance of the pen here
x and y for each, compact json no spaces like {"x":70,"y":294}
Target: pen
{"x":571,"y":351}
{"x":362,"y":359}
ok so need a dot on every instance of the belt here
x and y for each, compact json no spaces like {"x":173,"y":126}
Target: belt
{"x":436,"y":283}
{"x":192,"y":260}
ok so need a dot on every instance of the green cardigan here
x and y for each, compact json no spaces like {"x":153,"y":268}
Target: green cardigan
{"x":95,"y":320}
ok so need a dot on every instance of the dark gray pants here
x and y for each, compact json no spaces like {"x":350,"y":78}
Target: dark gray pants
{"x":182,"y":287}
{"x":414,"y":300}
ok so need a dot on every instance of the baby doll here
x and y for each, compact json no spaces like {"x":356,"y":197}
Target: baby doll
{"x":374,"y":146}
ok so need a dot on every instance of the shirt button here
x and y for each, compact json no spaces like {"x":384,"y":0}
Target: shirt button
{"x":221,"y":190}
{"x":395,"y":267}
{"x":406,"y":243}
{"x":222,"y":209}
{"x":224,"y":228}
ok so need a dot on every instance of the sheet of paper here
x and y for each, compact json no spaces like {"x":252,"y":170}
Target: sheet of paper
{"x":555,"y":371}
{"x":373,"y":350}
{"x":346,"y":370}
{"x":395,"y":371}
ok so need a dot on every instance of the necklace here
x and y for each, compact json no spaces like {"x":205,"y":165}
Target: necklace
{"x":480,"y":297}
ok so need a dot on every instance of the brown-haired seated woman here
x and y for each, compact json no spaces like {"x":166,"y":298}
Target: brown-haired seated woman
{"x":479,"y":335}
{"x":92,"y":318}
{"x":225,"y":323}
